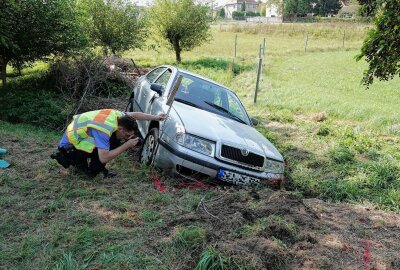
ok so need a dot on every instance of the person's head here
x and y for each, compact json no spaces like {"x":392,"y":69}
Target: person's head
{"x":127,"y":127}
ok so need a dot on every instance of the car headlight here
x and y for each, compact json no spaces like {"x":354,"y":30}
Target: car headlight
{"x":196,"y":144}
{"x":273,"y":166}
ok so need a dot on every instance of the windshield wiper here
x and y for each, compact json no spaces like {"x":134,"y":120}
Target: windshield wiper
{"x":187,"y":102}
{"x":231,"y":115}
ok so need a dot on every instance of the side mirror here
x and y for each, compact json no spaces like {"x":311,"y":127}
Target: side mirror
{"x":254,"y":121}
{"x":158,"y":88}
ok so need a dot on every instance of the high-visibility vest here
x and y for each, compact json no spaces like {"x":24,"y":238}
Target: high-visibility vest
{"x":105,"y":121}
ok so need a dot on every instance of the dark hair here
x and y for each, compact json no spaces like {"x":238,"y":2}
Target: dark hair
{"x":128,"y":123}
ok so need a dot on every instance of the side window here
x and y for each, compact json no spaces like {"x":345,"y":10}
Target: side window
{"x":154,"y":74}
{"x":164,"y":78}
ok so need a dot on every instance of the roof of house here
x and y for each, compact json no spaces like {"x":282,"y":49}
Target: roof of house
{"x":230,"y":2}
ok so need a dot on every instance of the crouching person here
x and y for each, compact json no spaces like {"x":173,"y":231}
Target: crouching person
{"x":93,"y":138}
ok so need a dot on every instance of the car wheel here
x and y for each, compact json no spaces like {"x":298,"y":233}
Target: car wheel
{"x":149,"y":147}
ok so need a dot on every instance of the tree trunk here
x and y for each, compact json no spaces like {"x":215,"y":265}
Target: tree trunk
{"x":3,"y":65}
{"x":177,"y":49}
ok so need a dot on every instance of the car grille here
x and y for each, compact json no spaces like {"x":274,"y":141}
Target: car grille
{"x":235,"y":155}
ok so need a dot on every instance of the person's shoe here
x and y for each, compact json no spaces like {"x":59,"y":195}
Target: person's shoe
{"x":109,"y":174}
{"x":61,"y":160}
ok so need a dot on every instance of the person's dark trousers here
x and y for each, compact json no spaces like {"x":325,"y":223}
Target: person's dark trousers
{"x":72,"y":156}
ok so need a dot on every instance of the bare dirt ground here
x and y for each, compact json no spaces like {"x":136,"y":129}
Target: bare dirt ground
{"x":297,"y":233}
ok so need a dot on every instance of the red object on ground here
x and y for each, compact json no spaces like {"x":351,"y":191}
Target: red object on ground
{"x":191,"y":185}
{"x":367,"y":253}
{"x":158,"y":183}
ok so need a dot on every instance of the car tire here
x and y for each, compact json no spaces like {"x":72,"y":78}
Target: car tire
{"x":149,"y":147}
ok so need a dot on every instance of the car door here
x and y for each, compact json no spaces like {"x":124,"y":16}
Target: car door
{"x":143,"y":90}
{"x":151,"y":97}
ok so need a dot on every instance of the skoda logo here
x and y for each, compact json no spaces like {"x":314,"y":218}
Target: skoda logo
{"x":244,"y":152}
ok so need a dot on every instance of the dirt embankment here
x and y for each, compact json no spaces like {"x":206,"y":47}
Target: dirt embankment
{"x":278,"y":230}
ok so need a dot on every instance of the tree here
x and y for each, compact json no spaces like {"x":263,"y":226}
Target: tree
{"x":263,"y":10}
{"x":183,"y":24}
{"x":293,"y":8}
{"x":368,"y":7}
{"x":221,"y":13}
{"x":116,"y":25}
{"x":243,"y":6}
{"x":31,"y":30}
{"x":381,"y":48}
{"x":326,"y":7}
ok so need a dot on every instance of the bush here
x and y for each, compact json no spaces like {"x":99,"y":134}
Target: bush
{"x":90,"y":75}
{"x":33,"y":102}
{"x":238,"y":15}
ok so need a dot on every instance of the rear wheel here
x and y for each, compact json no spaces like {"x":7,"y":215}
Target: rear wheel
{"x":149,"y":147}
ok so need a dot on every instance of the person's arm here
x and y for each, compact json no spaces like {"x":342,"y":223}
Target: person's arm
{"x":107,"y":155}
{"x":145,"y":116}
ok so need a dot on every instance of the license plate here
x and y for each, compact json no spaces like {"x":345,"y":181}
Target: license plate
{"x":236,"y":178}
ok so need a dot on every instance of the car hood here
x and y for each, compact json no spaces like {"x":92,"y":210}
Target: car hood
{"x":224,"y":130}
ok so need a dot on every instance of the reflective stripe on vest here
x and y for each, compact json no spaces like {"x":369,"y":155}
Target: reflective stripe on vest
{"x":105,"y":121}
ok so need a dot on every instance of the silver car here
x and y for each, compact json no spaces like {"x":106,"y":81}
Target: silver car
{"x":208,"y":132}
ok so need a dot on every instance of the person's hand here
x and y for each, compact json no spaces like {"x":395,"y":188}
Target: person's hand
{"x":132,"y":142}
{"x":161,"y":117}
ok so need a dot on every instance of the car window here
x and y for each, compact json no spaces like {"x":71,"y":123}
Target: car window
{"x":164,"y":78}
{"x":234,"y":106}
{"x":154,"y":74}
{"x":211,"y":97}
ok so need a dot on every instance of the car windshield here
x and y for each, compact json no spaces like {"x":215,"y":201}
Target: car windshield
{"x":208,"y":96}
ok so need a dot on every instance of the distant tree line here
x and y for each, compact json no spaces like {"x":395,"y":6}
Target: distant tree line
{"x":300,"y":8}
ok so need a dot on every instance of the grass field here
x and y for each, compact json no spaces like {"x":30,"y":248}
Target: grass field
{"x":341,"y":141}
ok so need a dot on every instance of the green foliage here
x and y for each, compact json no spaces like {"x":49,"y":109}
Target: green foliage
{"x":116,"y":25}
{"x":190,"y":237}
{"x":369,"y":7}
{"x":293,"y":8}
{"x":211,"y":259}
{"x":238,"y":15}
{"x":323,"y":130}
{"x":342,"y":154}
{"x":327,"y":7}
{"x":33,"y":30}
{"x":263,"y":10}
{"x":33,"y":105}
{"x":183,"y":24}
{"x":381,"y":48}
{"x":221,"y":13}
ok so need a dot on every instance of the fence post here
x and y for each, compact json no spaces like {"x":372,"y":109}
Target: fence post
{"x":264,"y":47}
{"x":258,"y":74}
{"x":344,"y":37}
{"x":235,"y":44}
{"x":305,"y":46}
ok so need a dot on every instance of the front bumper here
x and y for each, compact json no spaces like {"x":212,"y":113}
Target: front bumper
{"x":176,"y":157}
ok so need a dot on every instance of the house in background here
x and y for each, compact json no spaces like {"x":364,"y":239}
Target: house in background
{"x":273,"y":12}
{"x":236,"y":5}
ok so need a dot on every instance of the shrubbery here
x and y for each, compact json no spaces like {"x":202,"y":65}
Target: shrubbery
{"x":51,"y":98}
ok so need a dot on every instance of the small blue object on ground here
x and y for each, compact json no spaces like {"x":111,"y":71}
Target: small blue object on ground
{"x":4,"y":164}
{"x":2,"y":151}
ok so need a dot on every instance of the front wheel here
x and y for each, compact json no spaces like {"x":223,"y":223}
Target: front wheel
{"x":149,"y":147}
